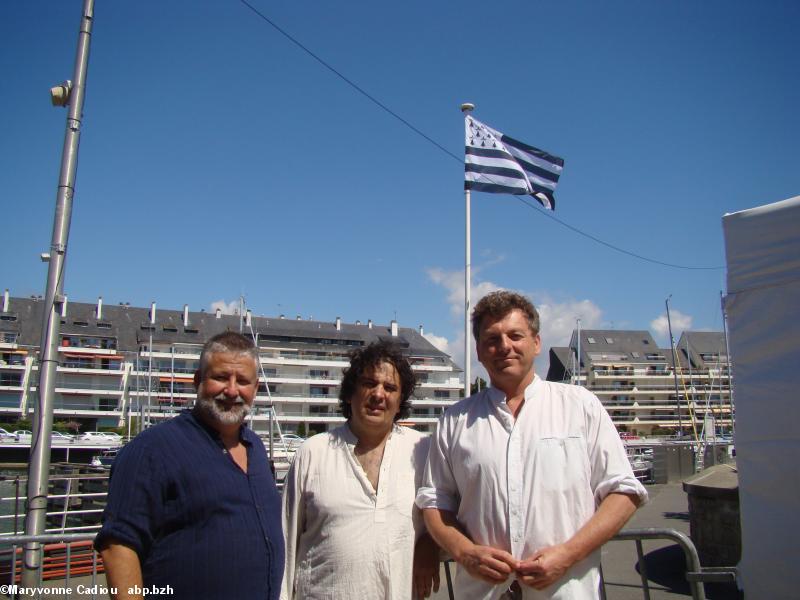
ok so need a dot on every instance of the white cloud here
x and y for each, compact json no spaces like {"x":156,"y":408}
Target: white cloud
{"x":680,"y":323}
{"x":557,"y":318}
{"x":439,"y":342}
{"x":227,"y":308}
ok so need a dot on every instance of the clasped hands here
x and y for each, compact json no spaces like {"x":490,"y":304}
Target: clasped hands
{"x":540,"y":570}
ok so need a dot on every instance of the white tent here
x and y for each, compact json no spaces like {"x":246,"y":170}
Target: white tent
{"x":763,"y":302}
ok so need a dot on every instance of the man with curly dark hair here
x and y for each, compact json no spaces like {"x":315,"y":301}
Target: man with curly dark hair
{"x":351,"y":528}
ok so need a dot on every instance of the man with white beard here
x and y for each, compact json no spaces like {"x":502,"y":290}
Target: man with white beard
{"x":193,"y":510}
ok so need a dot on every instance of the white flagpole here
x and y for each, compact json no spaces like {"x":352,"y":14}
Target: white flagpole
{"x":466,"y":108}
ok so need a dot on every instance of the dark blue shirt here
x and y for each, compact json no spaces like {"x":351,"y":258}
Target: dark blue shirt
{"x":197,"y":521}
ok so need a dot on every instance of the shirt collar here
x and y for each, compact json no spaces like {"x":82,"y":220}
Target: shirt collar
{"x":213,"y":433}
{"x":498,"y":397}
{"x":350,"y":437}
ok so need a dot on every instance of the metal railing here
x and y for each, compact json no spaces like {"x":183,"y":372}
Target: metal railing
{"x":696,"y":575}
{"x":60,"y":560}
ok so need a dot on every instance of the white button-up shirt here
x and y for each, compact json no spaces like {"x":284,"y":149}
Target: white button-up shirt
{"x":521,"y":485}
{"x":344,"y":539}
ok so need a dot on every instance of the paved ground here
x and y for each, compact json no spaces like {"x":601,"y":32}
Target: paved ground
{"x":664,"y":560}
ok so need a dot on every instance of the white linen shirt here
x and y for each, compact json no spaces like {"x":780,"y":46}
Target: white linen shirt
{"x":343,"y":539}
{"x":521,"y":485}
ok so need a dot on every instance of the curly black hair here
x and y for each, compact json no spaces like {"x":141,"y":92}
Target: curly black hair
{"x":370,"y":357}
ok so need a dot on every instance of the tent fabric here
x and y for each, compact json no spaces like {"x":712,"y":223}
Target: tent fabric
{"x":763,"y":258}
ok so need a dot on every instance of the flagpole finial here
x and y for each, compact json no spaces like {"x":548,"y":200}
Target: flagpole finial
{"x":467,"y":107}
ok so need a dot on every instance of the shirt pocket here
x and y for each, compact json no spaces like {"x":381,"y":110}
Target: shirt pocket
{"x":560,"y":464}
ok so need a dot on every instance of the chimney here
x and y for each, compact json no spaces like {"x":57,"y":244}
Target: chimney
{"x":369,"y":323}
{"x":152,"y":313}
{"x":218,"y":313}
{"x":248,"y":318}
{"x":5,"y":301}
{"x":185,"y":315}
{"x":394,"y":328}
{"x":99,"y":314}
{"x":421,"y":330}
{"x":64,"y":307}
{"x":338,"y":323}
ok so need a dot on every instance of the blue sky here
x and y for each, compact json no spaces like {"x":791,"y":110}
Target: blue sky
{"x":219,"y":159}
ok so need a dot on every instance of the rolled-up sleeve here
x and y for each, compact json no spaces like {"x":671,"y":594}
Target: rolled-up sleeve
{"x":134,"y":506}
{"x":439,"y":489}
{"x":611,"y":471}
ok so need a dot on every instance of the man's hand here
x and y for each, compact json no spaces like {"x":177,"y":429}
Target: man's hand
{"x":545,"y":567}
{"x":425,"y":578}
{"x":488,"y":564}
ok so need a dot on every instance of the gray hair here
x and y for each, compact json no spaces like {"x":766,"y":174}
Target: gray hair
{"x":228,"y":342}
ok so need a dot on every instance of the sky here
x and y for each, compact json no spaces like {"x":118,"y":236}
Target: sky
{"x":220,"y":159}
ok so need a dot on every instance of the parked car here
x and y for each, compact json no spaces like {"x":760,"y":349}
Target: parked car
{"x":63,"y":437}
{"x":23,"y":434}
{"x":100,"y":437}
{"x":4,"y":434}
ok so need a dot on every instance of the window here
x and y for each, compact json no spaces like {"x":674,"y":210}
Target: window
{"x":11,"y":379}
{"x":591,"y":340}
{"x":319,"y":373}
{"x":170,"y":329}
{"x":107,"y":404}
{"x":7,"y":337}
{"x":8,"y":317}
{"x":441,"y":393}
{"x":102,"y":325}
{"x":318,"y":390}
{"x":79,"y":362}
{"x":609,"y":340}
{"x":636,"y":355}
{"x":80,"y":323}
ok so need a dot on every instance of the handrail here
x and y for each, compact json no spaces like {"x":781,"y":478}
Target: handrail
{"x":696,"y":574}
{"x":61,"y":556}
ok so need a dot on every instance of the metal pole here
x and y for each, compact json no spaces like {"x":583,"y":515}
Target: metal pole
{"x":728,"y":363}
{"x":674,"y":369}
{"x":466,"y":108}
{"x":39,"y":465}
{"x":578,"y":351}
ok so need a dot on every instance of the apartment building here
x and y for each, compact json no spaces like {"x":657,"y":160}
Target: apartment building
{"x":120,"y":363}
{"x":644,"y":390}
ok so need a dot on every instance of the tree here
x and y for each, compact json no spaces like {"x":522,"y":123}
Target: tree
{"x":478,"y":385}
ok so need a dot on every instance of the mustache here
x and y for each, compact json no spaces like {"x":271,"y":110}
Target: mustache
{"x":221,"y":397}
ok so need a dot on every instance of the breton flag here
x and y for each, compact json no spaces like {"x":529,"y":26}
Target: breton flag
{"x":496,"y":163}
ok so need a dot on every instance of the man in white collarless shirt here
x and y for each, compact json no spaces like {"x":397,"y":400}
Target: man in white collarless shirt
{"x":527,"y":479}
{"x":350,"y":525}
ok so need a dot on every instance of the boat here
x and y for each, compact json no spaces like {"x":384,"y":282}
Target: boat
{"x":105,"y":459}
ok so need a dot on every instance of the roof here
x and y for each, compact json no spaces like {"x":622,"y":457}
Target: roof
{"x":131,"y":327}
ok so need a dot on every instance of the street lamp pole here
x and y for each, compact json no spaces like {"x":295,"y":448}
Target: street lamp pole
{"x":70,"y":94}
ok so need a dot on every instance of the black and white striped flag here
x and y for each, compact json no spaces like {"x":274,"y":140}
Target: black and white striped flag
{"x":496,"y":163}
